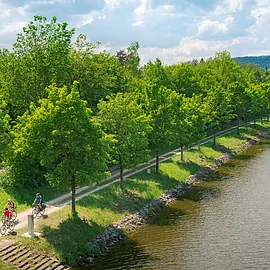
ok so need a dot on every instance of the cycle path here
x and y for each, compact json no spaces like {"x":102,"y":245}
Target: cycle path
{"x":59,"y":202}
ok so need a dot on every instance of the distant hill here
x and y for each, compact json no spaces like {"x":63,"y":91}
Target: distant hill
{"x":260,"y":61}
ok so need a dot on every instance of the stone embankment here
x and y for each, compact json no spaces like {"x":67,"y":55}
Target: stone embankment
{"x":113,"y":234}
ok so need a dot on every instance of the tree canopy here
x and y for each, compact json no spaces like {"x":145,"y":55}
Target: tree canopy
{"x":62,"y":134}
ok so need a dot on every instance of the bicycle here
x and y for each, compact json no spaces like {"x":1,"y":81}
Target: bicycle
{"x":4,"y":226}
{"x":14,"y":213}
{"x":37,"y":212}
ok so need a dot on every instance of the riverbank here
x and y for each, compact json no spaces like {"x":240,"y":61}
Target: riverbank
{"x":118,"y":230}
{"x":77,"y":241}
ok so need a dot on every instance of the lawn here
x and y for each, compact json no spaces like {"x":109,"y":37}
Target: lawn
{"x":66,"y":237}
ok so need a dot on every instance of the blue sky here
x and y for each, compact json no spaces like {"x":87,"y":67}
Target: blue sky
{"x":172,"y":30}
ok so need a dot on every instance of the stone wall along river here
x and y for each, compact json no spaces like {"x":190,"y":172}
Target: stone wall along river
{"x":222,"y":223}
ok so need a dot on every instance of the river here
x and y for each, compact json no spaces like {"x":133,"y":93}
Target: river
{"x":223,"y":223}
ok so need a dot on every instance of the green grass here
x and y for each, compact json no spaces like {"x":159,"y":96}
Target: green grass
{"x":67,"y":237}
{"x":6,"y":266}
{"x":24,"y":198}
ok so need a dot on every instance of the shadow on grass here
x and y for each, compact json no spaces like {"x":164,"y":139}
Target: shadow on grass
{"x":136,"y":195}
{"x":114,"y":199}
{"x":70,"y":239}
{"x":189,"y":166}
{"x":222,"y":148}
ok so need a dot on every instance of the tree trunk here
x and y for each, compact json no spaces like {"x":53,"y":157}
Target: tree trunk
{"x":238,"y":125}
{"x":73,"y":195}
{"x":157,"y":162}
{"x":199,"y":146}
{"x":215,"y":138}
{"x":121,"y":178}
{"x":182,"y":152}
{"x":246,"y":123}
{"x":254,"y":123}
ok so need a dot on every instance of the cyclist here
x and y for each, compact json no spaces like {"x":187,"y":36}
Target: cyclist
{"x":39,"y":201}
{"x":10,"y":205}
{"x":8,"y":216}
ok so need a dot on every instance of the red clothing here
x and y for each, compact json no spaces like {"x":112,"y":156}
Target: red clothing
{"x":8,"y":213}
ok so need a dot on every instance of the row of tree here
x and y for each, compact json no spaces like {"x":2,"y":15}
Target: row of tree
{"x":68,"y":112}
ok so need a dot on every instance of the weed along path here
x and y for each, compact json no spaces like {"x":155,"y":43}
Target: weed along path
{"x":59,"y":202}
{"x":9,"y":245}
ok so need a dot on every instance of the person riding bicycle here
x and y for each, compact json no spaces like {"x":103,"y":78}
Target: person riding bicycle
{"x":39,"y":201}
{"x":8,"y":215}
{"x":10,"y":205}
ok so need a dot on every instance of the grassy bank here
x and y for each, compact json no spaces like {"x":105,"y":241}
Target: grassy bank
{"x":67,"y":237}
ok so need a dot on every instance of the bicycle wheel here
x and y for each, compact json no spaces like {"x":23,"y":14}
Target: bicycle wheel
{"x":14,"y":214}
{"x":35,"y":212}
{"x":3,"y":219}
{"x":11,"y":225}
{"x":41,"y":212}
{"x":3,"y":229}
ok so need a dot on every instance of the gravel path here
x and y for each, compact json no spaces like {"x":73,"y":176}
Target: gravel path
{"x":58,"y":203}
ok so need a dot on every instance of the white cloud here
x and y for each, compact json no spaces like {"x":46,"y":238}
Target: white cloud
{"x":115,"y":3}
{"x":13,"y":27}
{"x":138,"y":24}
{"x":52,"y":2}
{"x":84,"y":20}
{"x":229,"y":6}
{"x":23,"y":10}
{"x":5,"y":12}
{"x":208,"y":27}
{"x":262,"y":23}
{"x":263,"y":3}
{"x":172,"y":30}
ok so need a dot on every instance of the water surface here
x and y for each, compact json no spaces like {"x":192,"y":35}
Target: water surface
{"x":223,"y":223}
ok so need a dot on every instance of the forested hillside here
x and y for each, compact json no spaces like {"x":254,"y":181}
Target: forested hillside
{"x":260,"y":61}
{"x":68,"y":111}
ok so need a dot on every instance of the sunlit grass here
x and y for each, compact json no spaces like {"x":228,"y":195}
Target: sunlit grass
{"x":67,"y":237}
{"x":6,"y":266}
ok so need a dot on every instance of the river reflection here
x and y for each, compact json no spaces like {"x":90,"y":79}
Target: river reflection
{"x":223,"y":223}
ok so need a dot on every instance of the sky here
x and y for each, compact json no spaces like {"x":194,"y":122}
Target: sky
{"x":171,"y":30}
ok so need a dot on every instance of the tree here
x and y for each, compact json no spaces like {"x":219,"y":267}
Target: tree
{"x":65,"y":138}
{"x":259,"y":102}
{"x":157,"y":103}
{"x":40,"y":58}
{"x":218,"y":109}
{"x":266,"y":93}
{"x":184,"y":78}
{"x":98,"y":74}
{"x":188,"y":121}
{"x":123,"y":118}
{"x":4,"y":131}
{"x":238,"y":98}
{"x":156,"y":74}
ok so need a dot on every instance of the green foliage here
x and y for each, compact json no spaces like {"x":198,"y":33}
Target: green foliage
{"x":178,"y":99}
{"x":123,"y":118}
{"x":98,"y":74}
{"x":40,"y":57}
{"x":184,"y":78}
{"x":63,"y":137}
{"x":218,"y":108}
{"x":100,"y":209}
{"x":4,"y":132}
